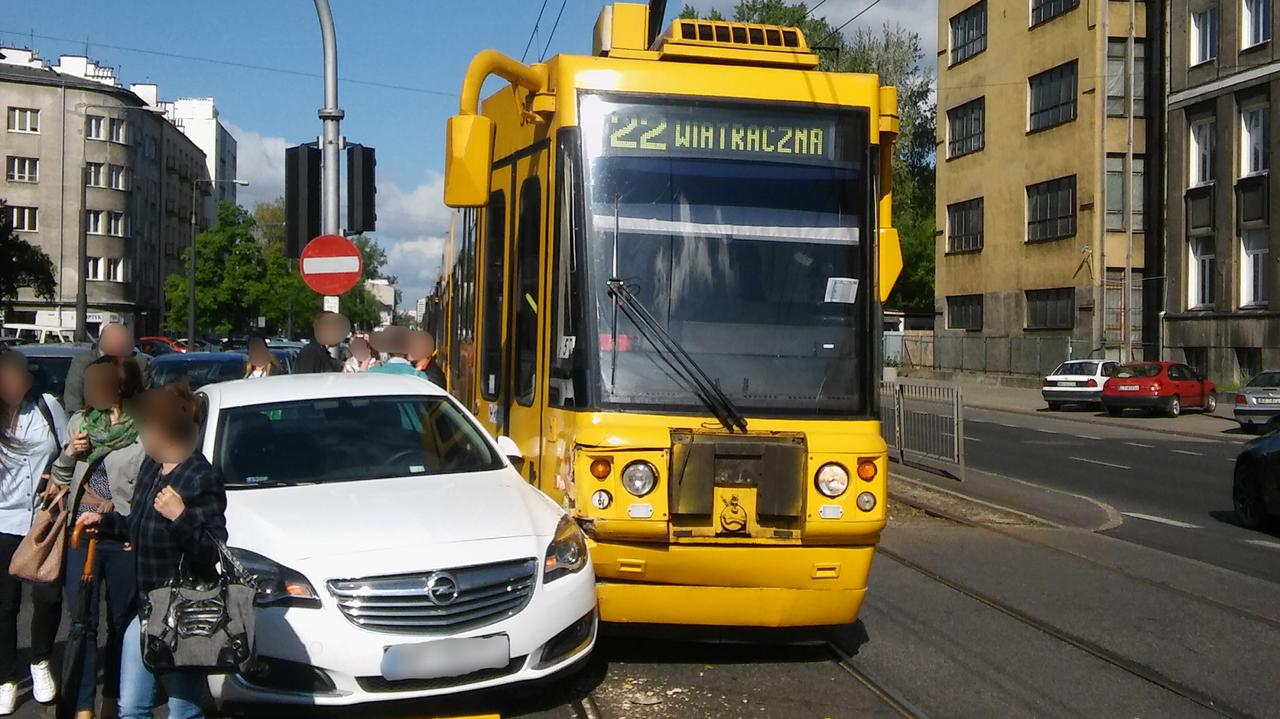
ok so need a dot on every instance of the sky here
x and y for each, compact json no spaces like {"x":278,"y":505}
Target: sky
{"x":400,"y":62}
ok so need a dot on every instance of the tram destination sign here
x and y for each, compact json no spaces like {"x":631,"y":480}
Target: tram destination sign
{"x":715,"y":132}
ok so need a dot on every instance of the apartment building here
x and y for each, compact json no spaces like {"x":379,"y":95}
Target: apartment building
{"x":84,"y":155}
{"x":1223,"y":298}
{"x":1046,"y":111}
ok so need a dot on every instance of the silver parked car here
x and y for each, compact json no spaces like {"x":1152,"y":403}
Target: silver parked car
{"x":1077,"y":382}
{"x":1258,"y":401}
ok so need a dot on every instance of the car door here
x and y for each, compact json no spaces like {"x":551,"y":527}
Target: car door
{"x":1189,"y":388}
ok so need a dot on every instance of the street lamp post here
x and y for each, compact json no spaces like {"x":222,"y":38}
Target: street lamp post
{"x":191,"y":259}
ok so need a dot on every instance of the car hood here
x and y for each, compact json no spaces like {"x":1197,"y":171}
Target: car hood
{"x":345,"y":518}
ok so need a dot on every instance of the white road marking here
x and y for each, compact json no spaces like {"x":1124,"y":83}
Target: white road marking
{"x":1263,"y":543}
{"x":1047,"y":431}
{"x":971,"y":439}
{"x":1161,"y":520}
{"x":1188,"y":452}
{"x":1010,"y":426}
{"x":1139,"y":444}
{"x":1097,"y":461}
{"x":1089,"y":436}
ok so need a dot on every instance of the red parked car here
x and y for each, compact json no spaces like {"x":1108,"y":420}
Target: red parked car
{"x":1167,"y":387}
{"x":156,"y":346}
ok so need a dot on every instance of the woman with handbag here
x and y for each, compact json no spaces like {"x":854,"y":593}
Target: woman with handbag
{"x":100,"y":465}
{"x":32,"y":430}
{"x":178,"y":529}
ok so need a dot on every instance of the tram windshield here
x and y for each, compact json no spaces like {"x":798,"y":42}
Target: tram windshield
{"x":743,"y":233}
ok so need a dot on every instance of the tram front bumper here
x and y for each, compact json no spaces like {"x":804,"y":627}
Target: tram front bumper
{"x":731,"y":585}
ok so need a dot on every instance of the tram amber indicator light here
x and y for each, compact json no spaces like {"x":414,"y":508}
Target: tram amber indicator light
{"x":867,"y":470}
{"x":601,"y":467}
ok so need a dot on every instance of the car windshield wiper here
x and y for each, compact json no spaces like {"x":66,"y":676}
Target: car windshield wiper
{"x":676,"y":357}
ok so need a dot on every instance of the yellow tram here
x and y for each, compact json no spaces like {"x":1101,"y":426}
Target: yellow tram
{"x":664,"y":284}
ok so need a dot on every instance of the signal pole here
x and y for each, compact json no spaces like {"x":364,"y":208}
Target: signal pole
{"x":331,"y":116}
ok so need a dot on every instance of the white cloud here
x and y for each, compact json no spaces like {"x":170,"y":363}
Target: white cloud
{"x":260,"y":160}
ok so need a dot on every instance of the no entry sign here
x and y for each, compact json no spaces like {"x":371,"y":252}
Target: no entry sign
{"x":330,"y":264}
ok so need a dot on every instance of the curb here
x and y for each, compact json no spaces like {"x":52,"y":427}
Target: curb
{"x":899,"y":477}
{"x":1067,"y":417}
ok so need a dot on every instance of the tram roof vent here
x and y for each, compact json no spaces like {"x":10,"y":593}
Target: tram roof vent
{"x":736,"y":42}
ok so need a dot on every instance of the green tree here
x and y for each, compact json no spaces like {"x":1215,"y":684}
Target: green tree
{"x":229,"y":272}
{"x":22,"y":264}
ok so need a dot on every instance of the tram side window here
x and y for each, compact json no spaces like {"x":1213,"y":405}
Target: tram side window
{"x":491,"y":307}
{"x":526,"y":330}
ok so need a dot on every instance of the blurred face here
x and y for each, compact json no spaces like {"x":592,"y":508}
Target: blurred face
{"x":116,"y":340}
{"x":332,"y":330}
{"x":14,"y":385}
{"x":360,"y":349}
{"x":160,"y":447}
{"x":259,"y":355}
{"x":101,"y":387}
{"x":421,"y":347}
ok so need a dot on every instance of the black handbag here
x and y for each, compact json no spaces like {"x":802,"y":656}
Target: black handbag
{"x":201,"y":624}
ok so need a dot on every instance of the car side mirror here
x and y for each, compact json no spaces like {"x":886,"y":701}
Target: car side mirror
{"x":511,"y":451}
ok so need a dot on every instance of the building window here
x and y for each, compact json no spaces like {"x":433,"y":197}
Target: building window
{"x":1051,"y":209}
{"x":116,"y":269}
{"x":969,"y":33}
{"x":24,"y":119}
{"x":93,"y":174}
{"x":95,"y":127}
{"x":1118,"y":76}
{"x":1204,"y":35}
{"x":1254,"y":253}
{"x":965,"y":128}
{"x":964,"y":312}
{"x":1046,"y":10}
{"x":93,"y":222}
{"x":115,"y":178}
{"x":93,"y":269}
{"x":1115,"y":193}
{"x":1201,"y":152}
{"x":1202,"y":267}
{"x":25,"y":219}
{"x":964,"y":226}
{"x":117,"y":130}
{"x":1249,"y":359}
{"x":150,"y":149}
{"x":1256,"y":22}
{"x":1051,"y":309}
{"x":1255,"y":155}
{"x":115,"y":224}
{"x":1053,"y":97}
{"x":22,"y":169}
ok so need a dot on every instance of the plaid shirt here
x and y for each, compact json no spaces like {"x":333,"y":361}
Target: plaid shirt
{"x":161,"y":544}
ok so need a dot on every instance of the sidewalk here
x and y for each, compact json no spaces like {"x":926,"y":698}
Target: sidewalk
{"x":1219,"y":426}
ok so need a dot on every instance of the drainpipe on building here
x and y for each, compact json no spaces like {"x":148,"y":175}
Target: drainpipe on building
{"x":1126,"y":301}
{"x":1100,"y":215}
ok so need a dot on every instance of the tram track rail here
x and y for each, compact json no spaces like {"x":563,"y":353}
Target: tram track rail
{"x":894,"y":701}
{"x":1093,"y":649}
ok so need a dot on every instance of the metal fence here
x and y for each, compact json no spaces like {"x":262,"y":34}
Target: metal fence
{"x":1032,"y":355}
{"x":923,"y":422}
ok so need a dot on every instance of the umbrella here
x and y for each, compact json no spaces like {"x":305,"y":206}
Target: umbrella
{"x":73,"y":656}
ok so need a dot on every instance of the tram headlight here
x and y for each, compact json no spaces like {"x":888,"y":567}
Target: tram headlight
{"x":639,"y":478}
{"x":866,"y":501}
{"x":831,"y":479}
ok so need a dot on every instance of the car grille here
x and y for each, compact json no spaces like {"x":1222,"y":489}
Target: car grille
{"x":485,"y":594}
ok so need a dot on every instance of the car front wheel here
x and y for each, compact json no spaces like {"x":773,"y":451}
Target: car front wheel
{"x":1174,"y":407}
{"x":1246,"y":495}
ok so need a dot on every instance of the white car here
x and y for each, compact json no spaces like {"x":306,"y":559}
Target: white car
{"x":1077,"y":382}
{"x":398,"y":552}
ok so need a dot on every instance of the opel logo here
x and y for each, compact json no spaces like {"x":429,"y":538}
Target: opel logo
{"x":442,"y":589}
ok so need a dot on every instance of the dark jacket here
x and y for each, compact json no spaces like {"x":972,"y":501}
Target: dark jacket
{"x":161,"y":544}
{"x":315,"y":358}
{"x":434,"y":374}
{"x":73,"y":393}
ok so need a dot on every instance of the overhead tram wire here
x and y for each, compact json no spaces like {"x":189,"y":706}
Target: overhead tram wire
{"x":554,"y":26}
{"x":533,"y":33}
{"x":835,"y":32}
{"x":809,"y":13}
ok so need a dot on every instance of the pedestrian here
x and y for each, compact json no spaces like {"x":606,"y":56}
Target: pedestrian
{"x":361,"y":359}
{"x":179,"y":514}
{"x":32,"y":431}
{"x":393,"y":341}
{"x":114,"y":340}
{"x":422,"y":352}
{"x":321,"y":354}
{"x":262,"y":362}
{"x":101,"y":464}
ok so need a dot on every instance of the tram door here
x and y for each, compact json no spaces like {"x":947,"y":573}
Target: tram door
{"x":491,"y":390}
{"x":525,"y":306}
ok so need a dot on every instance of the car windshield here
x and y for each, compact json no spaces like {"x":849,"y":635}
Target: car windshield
{"x":345,"y":439}
{"x":1078,"y":368}
{"x":1266,"y":379}
{"x":196,"y":371}
{"x":49,"y":373}
{"x":1138,"y":370}
{"x":753,"y":261}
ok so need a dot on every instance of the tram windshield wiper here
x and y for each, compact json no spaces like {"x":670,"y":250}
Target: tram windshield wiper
{"x":676,"y":357}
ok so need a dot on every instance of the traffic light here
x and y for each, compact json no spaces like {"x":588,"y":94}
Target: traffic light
{"x":301,"y":197}
{"x":362,"y":189}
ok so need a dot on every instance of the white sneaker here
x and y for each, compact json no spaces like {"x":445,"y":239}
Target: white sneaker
{"x":43,"y":688}
{"x":8,"y":698}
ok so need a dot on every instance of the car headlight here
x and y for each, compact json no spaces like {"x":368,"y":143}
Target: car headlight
{"x":639,"y":478}
{"x":832,"y":480}
{"x":567,"y":553}
{"x":275,"y":583}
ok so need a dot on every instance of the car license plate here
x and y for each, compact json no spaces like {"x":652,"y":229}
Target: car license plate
{"x":446,"y":657}
{"x":1269,"y":400}
{"x":1128,"y":388}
